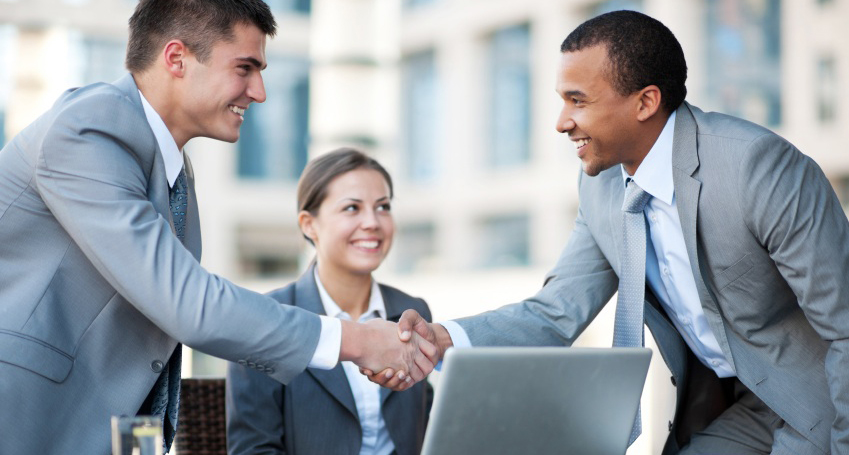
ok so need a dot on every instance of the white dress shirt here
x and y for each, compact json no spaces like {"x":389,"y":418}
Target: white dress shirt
{"x":330,"y":340}
{"x":668,"y":268}
{"x":376,"y":440}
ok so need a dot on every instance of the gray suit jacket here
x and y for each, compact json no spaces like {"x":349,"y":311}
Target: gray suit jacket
{"x":315,"y":413}
{"x":96,"y":291}
{"x":769,"y":248}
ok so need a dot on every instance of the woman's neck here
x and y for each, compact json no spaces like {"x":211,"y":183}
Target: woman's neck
{"x":350,"y":292}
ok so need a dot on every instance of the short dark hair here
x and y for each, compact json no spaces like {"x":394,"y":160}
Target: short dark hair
{"x":199,"y":24}
{"x":320,"y":171}
{"x":641,"y":50}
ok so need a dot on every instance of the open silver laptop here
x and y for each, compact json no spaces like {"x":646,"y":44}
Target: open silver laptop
{"x":543,"y":400}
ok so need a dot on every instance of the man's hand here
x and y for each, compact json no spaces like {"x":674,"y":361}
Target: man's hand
{"x":410,"y":327}
{"x":375,"y":346}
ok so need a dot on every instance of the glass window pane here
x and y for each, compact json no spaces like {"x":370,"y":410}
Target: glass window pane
{"x":414,"y":3}
{"x":298,"y":6}
{"x":275,"y":135}
{"x":420,"y":100}
{"x":826,"y":89}
{"x":505,"y":241}
{"x":744,"y":59}
{"x":415,"y":244}
{"x":510,"y":113}
{"x":616,"y":5}
{"x":104,"y":60}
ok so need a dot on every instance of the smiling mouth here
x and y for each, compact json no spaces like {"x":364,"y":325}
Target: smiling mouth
{"x":367,"y":244}
{"x":580,"y":143}
{"x":240,"y":111}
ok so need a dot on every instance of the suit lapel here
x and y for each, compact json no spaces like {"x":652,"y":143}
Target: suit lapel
{"x":616,"y":188}
{"x":685,"y":162}
{"x":154,"y":167}
{"x":334,"y":381}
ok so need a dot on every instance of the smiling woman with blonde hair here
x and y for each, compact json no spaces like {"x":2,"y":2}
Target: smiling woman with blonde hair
{"x":344,"y":211}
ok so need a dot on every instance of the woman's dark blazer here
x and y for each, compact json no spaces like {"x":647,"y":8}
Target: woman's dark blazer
{"x":316,"y":413}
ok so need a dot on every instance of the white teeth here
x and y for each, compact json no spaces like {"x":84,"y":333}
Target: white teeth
{"x":581,"y":142}
{"x":366,"y":244}
{"x":237,"y":110}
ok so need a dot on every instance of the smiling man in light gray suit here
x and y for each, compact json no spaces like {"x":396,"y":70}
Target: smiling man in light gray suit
{"x":747,"y":253}
{"x":100,"y":242}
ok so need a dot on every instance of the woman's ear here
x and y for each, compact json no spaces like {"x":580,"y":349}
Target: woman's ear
{"x":305,"y":222}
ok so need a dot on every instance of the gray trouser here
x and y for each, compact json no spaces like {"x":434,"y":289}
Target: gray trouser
{"x":749,"y":427}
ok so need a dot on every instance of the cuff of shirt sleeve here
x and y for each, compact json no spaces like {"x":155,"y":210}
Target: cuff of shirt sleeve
{"x":326,"y":354}
{"x":459,"y":338}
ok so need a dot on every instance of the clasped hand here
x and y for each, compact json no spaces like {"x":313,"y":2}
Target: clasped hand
{"x":412,"y":331}
{"x":404,"y":359}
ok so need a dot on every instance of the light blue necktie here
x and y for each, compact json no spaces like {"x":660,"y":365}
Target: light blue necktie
{"x":167,"y":387}
{"x":628,"y":328}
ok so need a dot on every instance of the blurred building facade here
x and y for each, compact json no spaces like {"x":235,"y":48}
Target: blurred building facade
{"x":456,"y":98}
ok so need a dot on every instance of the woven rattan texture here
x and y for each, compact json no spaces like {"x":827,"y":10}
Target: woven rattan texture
{"x":201,"y":428}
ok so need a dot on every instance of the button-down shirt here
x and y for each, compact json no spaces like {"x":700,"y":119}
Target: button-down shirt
{"x":376,"y":440}
{"x":330,"y":341}
{"x":668,"y":270}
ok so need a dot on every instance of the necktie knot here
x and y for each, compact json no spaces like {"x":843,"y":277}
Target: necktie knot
{"x":635,"y":198}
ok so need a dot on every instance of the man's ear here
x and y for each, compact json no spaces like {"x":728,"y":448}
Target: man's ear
{"x":305,"y":222}
{"x":649,"y":99}
{"x":175,"y":55}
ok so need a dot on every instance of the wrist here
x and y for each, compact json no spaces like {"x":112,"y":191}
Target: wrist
{"x":442,"y":339}
{"x":352,"y":341}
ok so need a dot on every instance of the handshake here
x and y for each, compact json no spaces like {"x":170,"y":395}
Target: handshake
{"x":395,"y":356}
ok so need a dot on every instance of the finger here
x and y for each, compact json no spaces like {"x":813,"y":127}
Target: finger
{"x":395,"y":382}
{"x":404,"y":385}
{"x":429,"y":350}
{"x":423,"y":328}
{"x":416,"y":373}
{"x":383,"y":377}
{"x":423,"y":365}
{"x":366,"y":372}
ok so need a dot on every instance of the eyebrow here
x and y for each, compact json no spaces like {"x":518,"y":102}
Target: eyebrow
{"x":253,"y":62}
{"x":384,"y":198}
{"x":571,"y":93}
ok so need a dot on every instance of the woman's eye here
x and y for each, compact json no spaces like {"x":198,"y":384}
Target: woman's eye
{"x":385,"y":207}
{"x":350,"y":208}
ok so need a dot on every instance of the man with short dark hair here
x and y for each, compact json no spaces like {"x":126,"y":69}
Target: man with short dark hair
{"x":100,"y":242}
{"x":736,"y":260}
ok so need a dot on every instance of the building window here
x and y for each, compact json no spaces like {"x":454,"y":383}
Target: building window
{"x":104,"y":60}
{"x":826,"y":89}
{"x":267,"y":251}
{"x":744,"y":59}
{"x":298,"y":6}
{"x":415,"y":245}
{"x":275,"y":135}
{"x":510,"y":113}
{"x":415,"y":3}
{"x":504,"y":241}
{"x":616,"y":5}
{"x":8,"y":43}
{"x":420,"y":98}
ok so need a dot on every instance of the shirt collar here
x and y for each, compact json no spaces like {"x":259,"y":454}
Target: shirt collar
{"x":375,"y":303}
{"x":655,"y":172}
{"x":171,"y":155}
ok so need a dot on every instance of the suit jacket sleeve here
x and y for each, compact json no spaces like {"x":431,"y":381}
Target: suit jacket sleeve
{"x":795,"y":214}
{"x":89,"y":175}
{"x":573,"y":294}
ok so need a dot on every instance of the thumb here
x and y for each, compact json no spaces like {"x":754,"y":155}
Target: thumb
{"x":409,"y":319}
